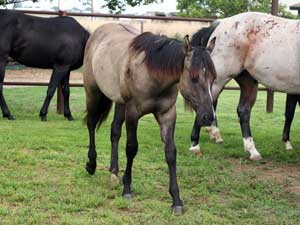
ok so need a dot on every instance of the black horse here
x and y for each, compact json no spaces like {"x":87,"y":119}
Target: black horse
{"x":56,"y":43}
{"x":290,"y":106}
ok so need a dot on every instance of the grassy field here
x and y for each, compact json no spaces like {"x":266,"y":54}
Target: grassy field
{"x":43,"y":180}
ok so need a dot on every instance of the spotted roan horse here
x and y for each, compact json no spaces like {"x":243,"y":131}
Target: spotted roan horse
{"x":50,"y":43}
{"x":252,"y":48}
{"x":141,"y":73}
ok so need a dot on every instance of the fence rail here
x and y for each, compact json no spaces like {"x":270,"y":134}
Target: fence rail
{"x":38,"y":84}
{"x":118,"y":16}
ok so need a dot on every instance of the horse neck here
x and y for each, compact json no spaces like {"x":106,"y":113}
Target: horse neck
{"x":168,"y":82}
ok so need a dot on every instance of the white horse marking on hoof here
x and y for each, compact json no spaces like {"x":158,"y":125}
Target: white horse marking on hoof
{"x":249,"y":146}
{"x":288,"y":146}
{"x":215,"y":134}
{"x":208,"y":130}
{"x":196,"y":150}
{"x":114,"y":179}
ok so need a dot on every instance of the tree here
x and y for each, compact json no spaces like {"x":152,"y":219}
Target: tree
{"x":117,"y":6}
{"x":7,"y":2}
{"x":225,"y":8}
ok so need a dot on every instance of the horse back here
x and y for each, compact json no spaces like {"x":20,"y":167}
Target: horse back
{"x":42,"y":42}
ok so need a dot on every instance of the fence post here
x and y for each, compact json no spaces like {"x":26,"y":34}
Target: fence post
{"x":142,"y":26}
{"x":270,"y":93}
{"x":60,"y":98}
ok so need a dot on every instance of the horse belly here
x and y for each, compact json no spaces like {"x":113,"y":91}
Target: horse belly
{"x":288,"y":82}
{"x":279,"y":71}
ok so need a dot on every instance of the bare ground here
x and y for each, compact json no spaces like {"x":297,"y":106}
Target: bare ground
{"x":286,"y":175}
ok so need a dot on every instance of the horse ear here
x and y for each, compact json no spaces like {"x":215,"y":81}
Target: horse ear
{"x":211,"y":45}
{"x":186,"y":44}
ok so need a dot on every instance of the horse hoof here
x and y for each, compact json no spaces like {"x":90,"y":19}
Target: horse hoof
{"x":90,"y":168}
{"x":114,"y":179}
{"x":70,"y":118}
{"x":288,"y":146}
{"x":128,"y":196}
{"x":177,"y":210}
{"x":10,"y":117}
{"x":43,"y":118}
{"x":196,"y":150}
{"x":255,"y":157}
{"x":220,"y":141}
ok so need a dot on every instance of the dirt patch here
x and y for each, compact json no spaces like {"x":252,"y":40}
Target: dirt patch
{"x":287,"y":175}
{"x":37,"y":75}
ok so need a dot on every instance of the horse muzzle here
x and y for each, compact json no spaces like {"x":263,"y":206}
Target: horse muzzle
{"x":206,"y":119}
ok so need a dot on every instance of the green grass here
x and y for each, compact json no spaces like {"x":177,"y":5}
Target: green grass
{"x":43,"y":180}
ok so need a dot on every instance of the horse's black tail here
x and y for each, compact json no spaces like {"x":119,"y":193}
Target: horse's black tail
{"x":98,"y":107}
{"x":201,"y":37}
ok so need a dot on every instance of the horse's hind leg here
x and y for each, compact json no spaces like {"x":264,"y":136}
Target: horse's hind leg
{"x":3,"y":105}
{"x":59,"y":72}
{"x":213,"y":131}
{"x":116,"y":129}
{"x":248,"y":95}
{"x":131,"y":120}
{"x":65,"y":84}
{"x":98,"y":106}
{"x":290,"y":106}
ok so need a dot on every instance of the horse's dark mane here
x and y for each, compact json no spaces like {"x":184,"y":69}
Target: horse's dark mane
{"x":201,"y":37}
{"x":201,"y":59}
{"x":163,"y":55}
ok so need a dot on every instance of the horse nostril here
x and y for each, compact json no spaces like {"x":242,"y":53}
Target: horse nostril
{"x":212,"y":117}
{"x":205,"y":117}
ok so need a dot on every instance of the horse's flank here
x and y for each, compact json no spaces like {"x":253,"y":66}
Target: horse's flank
{"x":106,"y":57}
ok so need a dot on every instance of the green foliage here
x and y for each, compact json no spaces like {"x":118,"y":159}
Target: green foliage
{"x":117,"y":6}
{"x":7,"y":2}
{"x":225,"y":8}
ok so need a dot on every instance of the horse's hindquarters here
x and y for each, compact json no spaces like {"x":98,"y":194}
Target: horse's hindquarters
{"x":107,"y":52}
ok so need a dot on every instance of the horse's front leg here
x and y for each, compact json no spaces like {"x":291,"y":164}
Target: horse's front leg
{"x":195,"y":136}
{"x":167,"y":125}
{"x":116,"y":130}
{"x":213,"y":130}
{"x":131,"y":120}
{"x":248,"y":95}
{"x":65,"y":86}
{"x":59,"y":72}
{"x":5,"y":111}
{"x":290,"y":106}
